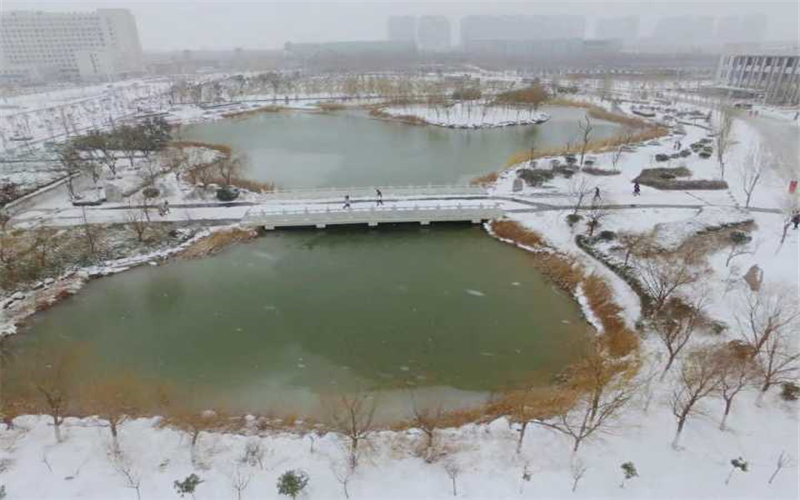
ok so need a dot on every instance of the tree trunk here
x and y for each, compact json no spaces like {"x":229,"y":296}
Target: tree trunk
{"x":728,"y":404}
{"x":676,"y":441}
{"x":521,"y":436}
{"x":57,"y":428}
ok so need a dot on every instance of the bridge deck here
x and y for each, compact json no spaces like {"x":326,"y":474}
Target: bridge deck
{"x":271,"y":219}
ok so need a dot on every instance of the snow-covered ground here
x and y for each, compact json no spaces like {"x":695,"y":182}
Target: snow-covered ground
{"x":469,"y":115}
{"x":33,"y":465}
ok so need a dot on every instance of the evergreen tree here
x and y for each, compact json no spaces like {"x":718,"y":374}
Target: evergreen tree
{"x":292,"y":482}
{"x":188,"y":485}
{"x":629,"y":471}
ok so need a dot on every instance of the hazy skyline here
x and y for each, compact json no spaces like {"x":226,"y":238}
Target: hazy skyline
{"x":186,"y":24}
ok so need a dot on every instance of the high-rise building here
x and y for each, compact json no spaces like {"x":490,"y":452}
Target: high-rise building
{"x":70,"y":46}
{"x":618,"y":28}
{"x":433,"y":33}
{"x":402,"y":28}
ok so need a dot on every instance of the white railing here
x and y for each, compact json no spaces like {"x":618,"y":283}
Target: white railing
{"x":373,"y":215}
{"x":369,"y":192}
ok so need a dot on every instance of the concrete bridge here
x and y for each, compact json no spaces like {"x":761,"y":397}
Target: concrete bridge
{"x":372,"y":216}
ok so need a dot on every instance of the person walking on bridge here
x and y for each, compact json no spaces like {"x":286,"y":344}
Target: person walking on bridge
{"x":347,"y":201}
{"x":636,"y":189}
{"x":380,"y":196}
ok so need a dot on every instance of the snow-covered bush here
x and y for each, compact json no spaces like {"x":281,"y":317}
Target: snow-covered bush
{"x":790,"y":391}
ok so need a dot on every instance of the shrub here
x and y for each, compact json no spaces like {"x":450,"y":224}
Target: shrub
{"x":227,"y":193}
{"x":790,"y":391}
{"x":740,"y":238}
{"x":534,"y":177}
{"x":292,"y":482}
{"x":667,"y":179}
{"x":607,"y":235}
{"x":188,"y":485}
{"x":471,"y":94}
{"x":485,"y":180}
{"x":600,"y":171}
{"x":573,"y":219}
{"x":150,"y":192}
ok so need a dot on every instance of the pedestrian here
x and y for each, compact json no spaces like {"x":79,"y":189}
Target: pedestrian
{"x":796,"y":115}
{"x":597,"y":193}
{"x":796,"y":219}
{"x":380,"y":196}
{"x":347,"y":201}
{"x":636,"y":188}
{"x":166,"y":207}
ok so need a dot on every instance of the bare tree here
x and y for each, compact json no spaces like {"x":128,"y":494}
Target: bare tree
{"x":125,"y":468}
{"x":662,"y":275}
{"x":427,"y":420}
{"x":598,"y":210}
{"x":452,"y":469}
{"x":586,"y":128}
{"x":675,"y":325}
{"x":578,"y":189}
{"x":751,"y":170}
{"x":723,"y":136}
{"x":138,"y":217}
{"x":633,"y":243}
{"x":114,"y":399}
{"x":598,"y":392}
{"x":777,"y":360}
{"x":70,"y":159}
{"x":343,"y":474}
{"x":51,"y":377}
{"x":229,"y":168}
{"x":698,"y":380}
{"x":90,"y":233}
{"x":352,"y":416}
{"x":784,"y":461}
{"x":765,"y":312}
{"x":735,"y":371}
{"x":577,"y":469}
{"x":240,"y":481}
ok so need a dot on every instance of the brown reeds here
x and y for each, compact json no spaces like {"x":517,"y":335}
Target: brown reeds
{"x":217,"y":241}
{"x":253,"y":112}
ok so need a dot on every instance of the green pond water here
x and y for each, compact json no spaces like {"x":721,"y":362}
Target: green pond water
{"x":283,"y":322}
{"x":306,"y":150}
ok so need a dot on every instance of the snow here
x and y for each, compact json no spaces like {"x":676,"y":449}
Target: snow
{"x":80,"y":467}
{"x":670,"y":236}
{"x":469,"y":115}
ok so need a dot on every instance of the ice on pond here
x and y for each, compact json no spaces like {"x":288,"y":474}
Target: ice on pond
{"x":516,"y":283}
{"x":565,"y":321}
{"x":301,"y":365}
{"x":404,"y":368}
{"x":484,"y":353}
{"x":270,"y":307}
{"x":475,"y":292}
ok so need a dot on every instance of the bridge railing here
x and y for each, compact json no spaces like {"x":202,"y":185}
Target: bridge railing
{"x":369,"y":192}
{"x":430,"y":213}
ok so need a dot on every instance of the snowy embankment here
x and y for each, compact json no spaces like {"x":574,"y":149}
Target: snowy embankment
{"x":468,"y":115}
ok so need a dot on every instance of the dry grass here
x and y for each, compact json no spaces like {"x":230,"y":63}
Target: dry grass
{"x":217,"y":241}
{"x":408,"y":119}
{"x":331,"y":106}
{"x":222,"y":148}
{"x":598,"y":146}
{"x":560,"y":269}
{"x":617,"y":338}
{"x":253,"y":112}
{"x":485,"y":180}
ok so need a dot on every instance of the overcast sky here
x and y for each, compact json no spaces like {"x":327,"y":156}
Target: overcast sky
{"x":196,"y":24}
